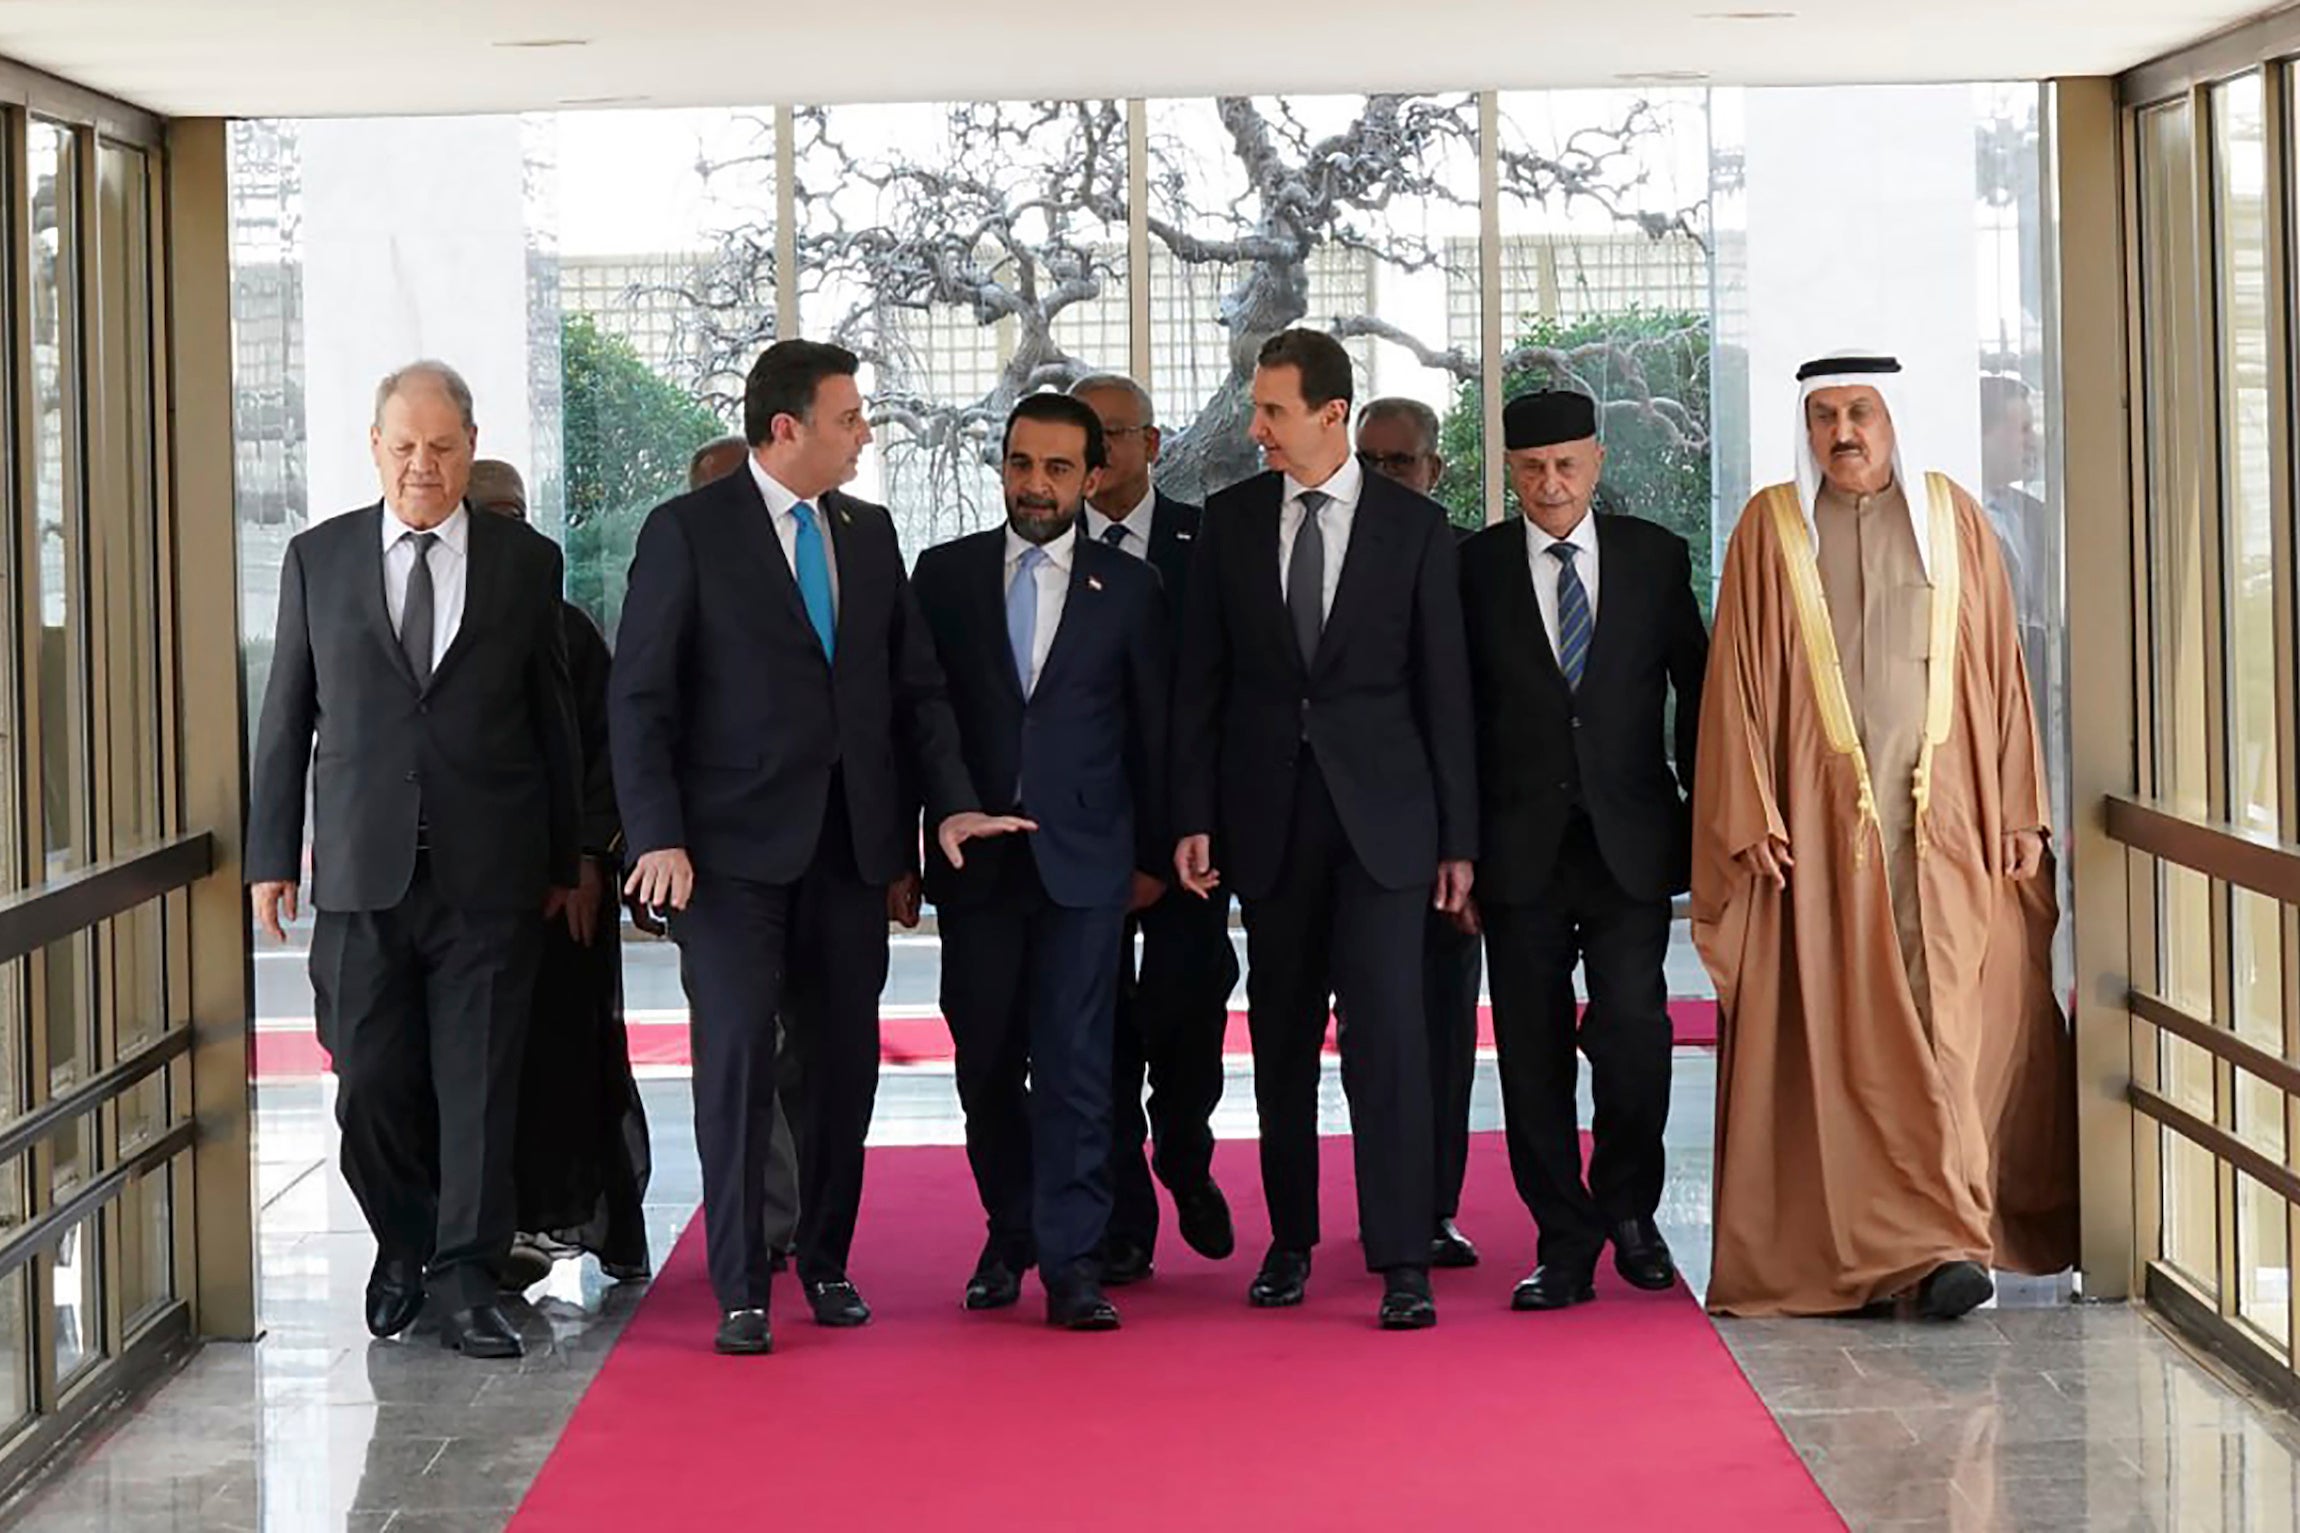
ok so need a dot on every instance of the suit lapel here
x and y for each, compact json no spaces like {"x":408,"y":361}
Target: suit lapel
{"x":1170,"y":542}
{"x":1373,"y":545}
{"x":1081,"y":604}
{"x":755,"y":527}
{"x":375,"y":608}
{"x":988,"y":583}
{"x":1613,"y":597}
{"x":1525,"y":608}
{"x":1262,"y":569}
{"x":836,"y":519}
{"x":482,"y":574}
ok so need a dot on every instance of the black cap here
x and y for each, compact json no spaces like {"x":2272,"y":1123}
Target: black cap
{"x":1830,"y":367}
{"x":1547,"y":417}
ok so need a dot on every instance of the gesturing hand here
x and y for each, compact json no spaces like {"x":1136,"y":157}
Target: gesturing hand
{"x":967,"y":826}
{"x":1194,"y":865}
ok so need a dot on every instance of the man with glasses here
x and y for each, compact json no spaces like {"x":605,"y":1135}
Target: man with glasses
{"x":1174,"y":1006}
{"x":1398,"y":439}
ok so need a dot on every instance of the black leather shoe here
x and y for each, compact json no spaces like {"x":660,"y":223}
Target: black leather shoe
{"x":1642,"y":1257}
{"x":995,"y":1284}
{"x":836,"y":1303}
{"x":1449,"y":1247}
{"x":481,"y":1331}
{"x":394,"y":1295}
{"x":743,"y":1333}
{"x":1283,"y":1281}
{"x":1553,"y":1288}
{"x":1406,"y":1301}
{"x":1079,"y":1305}
{"x":1954,"y":1290}
{"x":1124,"y":1261}
{"x":522,"y":1267}
{"x":1203,"y":1215}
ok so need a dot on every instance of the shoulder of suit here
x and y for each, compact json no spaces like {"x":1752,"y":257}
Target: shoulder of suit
{"x":1120,"y":570}
{"x":1634,"y":531}
{"x":1182,"y":515}
{"x":959,"y":547}
{"x":1246,"y":492}
{"x":1382,"y":491}
{"x":362,"y":524}
{"x":850,"y":510}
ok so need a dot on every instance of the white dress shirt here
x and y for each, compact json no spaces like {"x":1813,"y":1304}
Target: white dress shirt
{"x":780,"y":501}
{"x":1137,"y":524}
{"x":1053,"y":576}
{"x":450,"y":573}
{"x":1546,"y":569}
{"x":1344,"y":486}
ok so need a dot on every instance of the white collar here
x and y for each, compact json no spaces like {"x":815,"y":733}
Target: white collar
{"x":1057,"y":550}
{"x":780,"y":497}
{"x":1344,"y":485}
{"x":1137,"y":521}
{"x":455,"y":532}
{"x":1810,"y":477}
{"x":1582,"y":537}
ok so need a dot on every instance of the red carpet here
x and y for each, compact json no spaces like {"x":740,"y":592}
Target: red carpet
{"x":284,"y":1052}
{"x":1201,"y":1414}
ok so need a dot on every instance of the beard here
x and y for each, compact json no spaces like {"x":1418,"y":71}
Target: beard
{"x":1037,"y":520}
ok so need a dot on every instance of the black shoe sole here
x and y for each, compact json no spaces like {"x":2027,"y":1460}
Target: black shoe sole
{"x":1087,"y":1323}
{"x":990,"y":1301}
{"x":743,"y":1348}
{"x":1417,"y":1320}
{"x":490,"y":1352}
{"x":1581,"y":1296}
{"x":1260,"y":1299}
{"x":1451,"y":1257}
{"x":1956,"y":1294}
{"x":842,"y":1321}
{"x":1647,"y":1281}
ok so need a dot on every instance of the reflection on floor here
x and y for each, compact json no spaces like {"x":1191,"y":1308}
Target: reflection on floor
{"x":2034,"y":1415}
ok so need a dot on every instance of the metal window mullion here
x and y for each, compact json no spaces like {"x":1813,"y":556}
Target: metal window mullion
{"x":786,"y":224}
{"x":1140,"y":354}
{"x":1490,"y":318}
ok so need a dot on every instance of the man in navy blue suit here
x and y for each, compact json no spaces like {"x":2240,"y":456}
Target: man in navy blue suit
{"x":1055,"y":650}
{"x":777,"y":714}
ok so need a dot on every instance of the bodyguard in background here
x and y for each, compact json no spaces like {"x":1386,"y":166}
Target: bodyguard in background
{"x":1324,"y":768}
{"x":773,"y":683}
{"x":1055,"y":650}
{"x":1585,"y":642}
{"x":1398,"y":438}
{"x":419,"y":648}
{"x":1175,"y":1008}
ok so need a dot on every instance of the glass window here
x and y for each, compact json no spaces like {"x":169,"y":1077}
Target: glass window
{"x":1605,"y":271}
{"x":970,"y":254}
{"x":2263,"y":1238}
{"x":77,"y":1298}
{"x":1357,"y":215}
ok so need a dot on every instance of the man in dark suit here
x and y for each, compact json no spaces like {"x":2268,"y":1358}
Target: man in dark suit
{"x":773,"y":684}
{"x":1324,"y":757}
{"x":1399,"y":438}
{"x":420,"y":647}
{"x":1580,"y":626}
{"x":1175,"y":1007}
{"x":1056,"y":652}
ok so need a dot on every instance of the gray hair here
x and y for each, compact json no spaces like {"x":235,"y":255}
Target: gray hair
{"x":709,"y":450}
{"x":1397,"y":407}
{"x":496,"y":486}
{"x":426,"y":369}
{"x":1120,"y":383}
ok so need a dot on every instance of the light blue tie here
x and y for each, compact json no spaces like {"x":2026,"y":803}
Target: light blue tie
{"x":1573,"y":622}
{"x":1022,"y":614}
{"x":813,"y":568}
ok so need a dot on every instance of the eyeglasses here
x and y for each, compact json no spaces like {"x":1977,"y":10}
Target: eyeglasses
{"x":1124,"y":430}
{"x":1394,"y":462}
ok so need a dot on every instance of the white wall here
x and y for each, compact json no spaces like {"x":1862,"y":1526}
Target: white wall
{"x":1861,"y":235}
{"x":414,"y":246}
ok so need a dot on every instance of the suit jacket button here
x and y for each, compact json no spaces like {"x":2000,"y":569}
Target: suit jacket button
{"x":1576,"y":721}
{"x":414,"y":776}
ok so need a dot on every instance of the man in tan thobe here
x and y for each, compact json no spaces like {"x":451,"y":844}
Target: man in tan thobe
{"x":1872,"y":892}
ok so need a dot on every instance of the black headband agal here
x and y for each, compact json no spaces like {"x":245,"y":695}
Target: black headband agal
{"x":1828,"y":367}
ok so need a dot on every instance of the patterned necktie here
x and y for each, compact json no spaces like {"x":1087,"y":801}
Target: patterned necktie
{"x":1022,"y":615}
{"x":813,"y":568}
{"x":1573,"y":622}
{"x":417,"y":614}
{"x":1306,"y":576}
{"x":1115,"y":534}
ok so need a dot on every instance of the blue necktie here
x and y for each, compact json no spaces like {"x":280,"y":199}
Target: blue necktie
{"x":1022,"y":614}
{"x":813,"y":568}
{"x":1115,"y":535}
{"x":1573,"y":622}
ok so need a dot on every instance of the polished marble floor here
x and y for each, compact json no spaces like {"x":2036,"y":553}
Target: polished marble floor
{"x":2037,"y":1414}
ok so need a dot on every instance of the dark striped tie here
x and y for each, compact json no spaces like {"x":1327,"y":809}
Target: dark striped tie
{"x":1573,"y":622}
{"x":1115,"y":535}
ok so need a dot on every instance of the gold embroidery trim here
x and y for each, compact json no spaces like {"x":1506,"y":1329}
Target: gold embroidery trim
{"x":1940,"y":679}
{"x":1800,"y":558}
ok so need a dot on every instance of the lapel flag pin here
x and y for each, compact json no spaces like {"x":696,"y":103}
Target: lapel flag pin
{"x":1093,"y":582}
